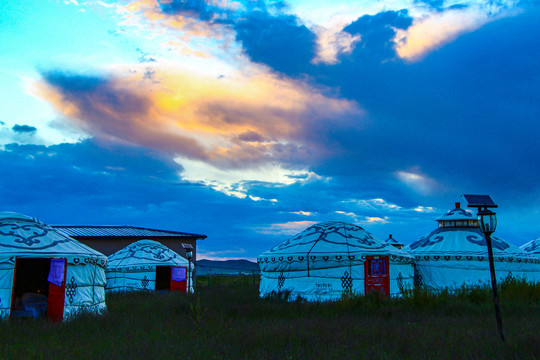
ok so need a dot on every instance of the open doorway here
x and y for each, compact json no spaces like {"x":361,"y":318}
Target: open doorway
{"x":30,"y":288}
{"x":39,"y":288}
{"x":163,"y":278}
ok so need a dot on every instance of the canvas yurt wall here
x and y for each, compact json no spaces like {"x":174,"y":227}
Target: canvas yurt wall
{"x":147,"y":265}
{"x":455,"y":254}
{"x":46,"y":273}
{"x":328,"y":259}
{"x":532,"y":247}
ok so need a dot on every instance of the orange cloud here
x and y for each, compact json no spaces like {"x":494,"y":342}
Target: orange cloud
{"x":232,"y":122}
{"x":175,"y":29}
{"x":435,"y":30}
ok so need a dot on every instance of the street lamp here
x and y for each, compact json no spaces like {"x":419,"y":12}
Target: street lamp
{"x":189,"y":254}
{"x":487,"y":221}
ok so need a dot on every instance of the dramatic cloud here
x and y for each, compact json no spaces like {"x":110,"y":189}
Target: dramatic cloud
{"x":258,"y":125}
{"x":229,"y":122}
{"x":247,"y":121}
{"x":447,"y":115}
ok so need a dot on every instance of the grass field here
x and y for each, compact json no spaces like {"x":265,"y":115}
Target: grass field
{"x":226,"y":319}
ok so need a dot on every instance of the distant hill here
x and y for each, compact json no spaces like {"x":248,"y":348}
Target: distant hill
{"x":227,"y":267}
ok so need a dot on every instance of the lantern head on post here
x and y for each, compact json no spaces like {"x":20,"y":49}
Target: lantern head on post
{"x":189,"y":250}
{"x":487,"y":220}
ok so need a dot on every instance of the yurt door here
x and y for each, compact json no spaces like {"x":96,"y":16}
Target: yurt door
{"x":376,"y":273}
{"x":179,"y":278}
{"x":57,"y":289}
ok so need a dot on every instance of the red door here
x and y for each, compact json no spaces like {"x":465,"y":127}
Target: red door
{"x":376,"y":271}
{"x":179,"y":278}
{"x":57,"y":289}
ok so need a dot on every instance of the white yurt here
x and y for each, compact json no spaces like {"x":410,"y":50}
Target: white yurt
{"x":147,"y":265}
{"x":532,"y":247}
{"x":44,"y":273}
{"x":331,"y":258}
{"x":455,"y":254}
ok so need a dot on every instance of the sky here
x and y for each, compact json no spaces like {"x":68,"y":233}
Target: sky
{"x":250,"y":120}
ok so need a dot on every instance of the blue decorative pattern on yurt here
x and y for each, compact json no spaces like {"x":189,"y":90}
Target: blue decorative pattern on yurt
{"x":36,"y":236}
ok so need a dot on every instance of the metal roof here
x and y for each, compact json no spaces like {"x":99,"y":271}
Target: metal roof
{"x":120,"y":231}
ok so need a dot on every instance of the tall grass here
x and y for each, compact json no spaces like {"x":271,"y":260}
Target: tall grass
{"x":228,"y":320}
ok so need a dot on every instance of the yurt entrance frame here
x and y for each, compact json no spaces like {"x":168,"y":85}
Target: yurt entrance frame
{"x":31,"y":276}
{"x":166,"y":278}
{"x":377,"y":274}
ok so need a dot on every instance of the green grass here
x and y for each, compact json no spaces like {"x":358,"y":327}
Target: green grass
{"x":226,"y":319}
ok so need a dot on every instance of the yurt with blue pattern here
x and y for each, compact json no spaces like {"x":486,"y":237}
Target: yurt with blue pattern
{"x":45,"y":273}
{"x":146,"y":265}
{"x":455,"y":254}
{"x":330,"y":259}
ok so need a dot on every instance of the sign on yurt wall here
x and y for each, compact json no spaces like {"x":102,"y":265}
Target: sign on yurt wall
{"x":44,"y":273}
{"x":327,"y":260}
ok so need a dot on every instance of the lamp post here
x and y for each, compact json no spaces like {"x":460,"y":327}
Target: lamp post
{"x":189,"y":254}
{"x":487,"y":221}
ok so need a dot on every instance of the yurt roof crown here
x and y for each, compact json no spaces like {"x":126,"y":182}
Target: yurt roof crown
{"x":458,"y":217}
{"x":394,"y":242}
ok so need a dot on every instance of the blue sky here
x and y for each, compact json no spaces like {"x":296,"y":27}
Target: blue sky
{"x":248,"y":121}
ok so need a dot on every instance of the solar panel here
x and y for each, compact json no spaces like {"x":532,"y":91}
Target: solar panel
{"x":480,"y":201}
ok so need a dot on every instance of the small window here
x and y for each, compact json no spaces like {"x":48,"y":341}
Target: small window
{"x":377,"y":267}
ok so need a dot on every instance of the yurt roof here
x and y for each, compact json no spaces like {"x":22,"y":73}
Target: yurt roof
{"x":333,"y":238}
{"x":145,"y":253}
{"x":457,"y":214}
{"x":25,"y":236}
{"x":392,"y":241}
{"x":461,"y":241}
{"x":532,"y":247}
